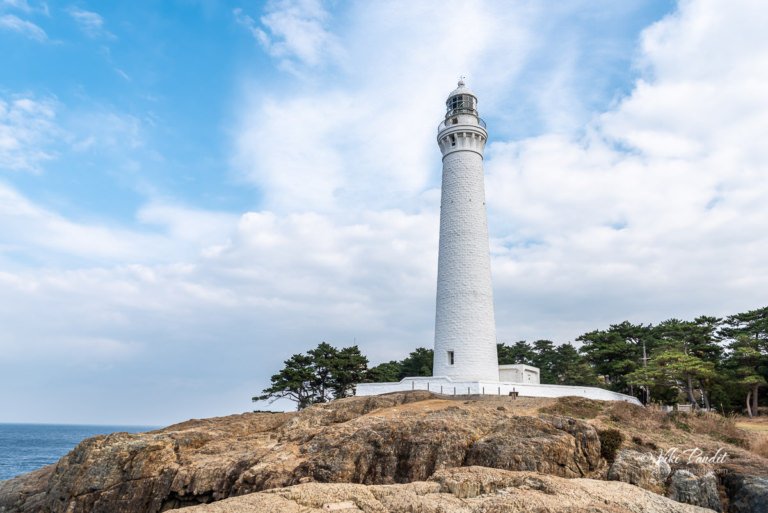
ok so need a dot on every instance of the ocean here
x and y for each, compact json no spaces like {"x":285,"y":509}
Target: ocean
{"x":27,"y":447}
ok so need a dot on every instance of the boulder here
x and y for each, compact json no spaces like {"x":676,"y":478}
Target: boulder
{"x":643,"y":469}
{"x":746,"y":494}
{"x":685,"y":486}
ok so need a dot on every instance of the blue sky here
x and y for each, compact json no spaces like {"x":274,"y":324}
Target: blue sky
{"x":192,"y":191}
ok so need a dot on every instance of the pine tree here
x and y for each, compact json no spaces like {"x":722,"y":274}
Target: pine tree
{"x":752,"y":324}
{"x":294,"y":382}
{"x":746,"y":362}
{"x":384,"y":372}
{"x":322,"y":374}
{"x":571,"y":368}
{"x":348,"y":368}
{"x":518,"y":353}
{"x":545,"y":358}
{"x":616,"y":352}
{"x":418,"y":363}
{"x":698,"y":341}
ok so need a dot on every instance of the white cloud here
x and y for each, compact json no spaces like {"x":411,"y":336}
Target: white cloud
{"x":42,"y":235}
{"x":106,"y":129}
{"x":366,"y":137}
{"x":27,"y":129}
{"x":43,"y":135}
{"x":25,"y":7}
{"x":188,"y":224}
{"x":280,"y":282}
{"x":26,"y":28}
{"x":21,"y":5}
{"x":91,"y":23}
{"x":295,"y":32}
{"x":123,"y":74}
{"x":659,"y":210}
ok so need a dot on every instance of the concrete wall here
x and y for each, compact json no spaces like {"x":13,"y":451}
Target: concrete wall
{"x":519,"y":373}
{"x":442,"y":385}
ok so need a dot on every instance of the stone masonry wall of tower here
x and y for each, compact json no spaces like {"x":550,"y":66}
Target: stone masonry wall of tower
{"x":465,"y":330}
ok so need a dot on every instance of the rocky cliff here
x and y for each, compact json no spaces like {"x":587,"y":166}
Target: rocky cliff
{"x":386,"y":440}
{"x":458,"y":490}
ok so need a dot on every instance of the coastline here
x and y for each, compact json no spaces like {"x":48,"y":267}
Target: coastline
{"x":28,"y":446}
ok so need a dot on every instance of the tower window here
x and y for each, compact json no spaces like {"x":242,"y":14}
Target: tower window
{"x":450,"y":357}
{"x":453,"y":140}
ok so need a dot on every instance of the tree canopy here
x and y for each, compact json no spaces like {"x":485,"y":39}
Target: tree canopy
{"x":708,"y":361}
{"x":319,"y":375}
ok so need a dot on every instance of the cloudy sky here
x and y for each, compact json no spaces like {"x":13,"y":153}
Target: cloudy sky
{"x":191,"y":191}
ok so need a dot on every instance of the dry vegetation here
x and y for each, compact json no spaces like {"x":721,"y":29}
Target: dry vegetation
{"x":576,"y":407}
{"x":759,"y":445}
{"x":758,"y":424}
{"x":745,"y":440}
{"x":758,"y":429}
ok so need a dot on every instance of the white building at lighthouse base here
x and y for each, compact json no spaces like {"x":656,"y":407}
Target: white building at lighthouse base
{"x":525,"y":384}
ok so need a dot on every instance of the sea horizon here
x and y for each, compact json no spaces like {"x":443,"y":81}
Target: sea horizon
{"x":77,"y":424}
{"x":28,"y":446}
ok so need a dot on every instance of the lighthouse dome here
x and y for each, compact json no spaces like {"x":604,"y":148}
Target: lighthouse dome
{"x":461,"y":89}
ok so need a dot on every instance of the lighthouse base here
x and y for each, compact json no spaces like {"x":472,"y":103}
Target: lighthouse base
{"x":446,"y":386}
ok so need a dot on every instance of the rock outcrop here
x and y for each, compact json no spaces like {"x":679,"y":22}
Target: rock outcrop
{"x":381,"y":440}
{"x":642,"y":469}
{"x":746,"y":494}
{"x":687,"y":487}
{"x":458,"y":490}
{"x":398,"y":438}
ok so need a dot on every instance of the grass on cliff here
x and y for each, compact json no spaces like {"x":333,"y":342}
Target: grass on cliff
{"x":759,"y":445}
{"x":758,"y":425}
{"x":576,"y":407}
{"x":758,"y":428}
{"x":657,"y":427}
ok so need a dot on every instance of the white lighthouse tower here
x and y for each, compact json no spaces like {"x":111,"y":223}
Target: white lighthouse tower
{"x":465,"y":330}
{"x":465,"y":360}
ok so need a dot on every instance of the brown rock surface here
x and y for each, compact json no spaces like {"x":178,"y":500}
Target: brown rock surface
{"x":458,"y":490}
{"x":642,"y":469}
{"x":396,"y":438}
{"x":382,"y":440}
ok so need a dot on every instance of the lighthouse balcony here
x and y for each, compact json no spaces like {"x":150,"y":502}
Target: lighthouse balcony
{"x":462,"y":119}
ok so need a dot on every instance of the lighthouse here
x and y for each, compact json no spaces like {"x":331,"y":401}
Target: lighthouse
{"x":465,"y":330}
{"x":465,"y":356}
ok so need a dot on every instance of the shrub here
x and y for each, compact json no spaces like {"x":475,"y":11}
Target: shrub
{"x":610,"y":441}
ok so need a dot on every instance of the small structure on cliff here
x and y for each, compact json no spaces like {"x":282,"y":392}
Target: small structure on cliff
{"x":465,"y":357}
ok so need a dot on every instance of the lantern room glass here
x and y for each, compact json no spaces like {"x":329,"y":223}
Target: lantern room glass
{"x":461,"y":104}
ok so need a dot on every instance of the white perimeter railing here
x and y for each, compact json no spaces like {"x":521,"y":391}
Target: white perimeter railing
{"x":445,"y":386}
